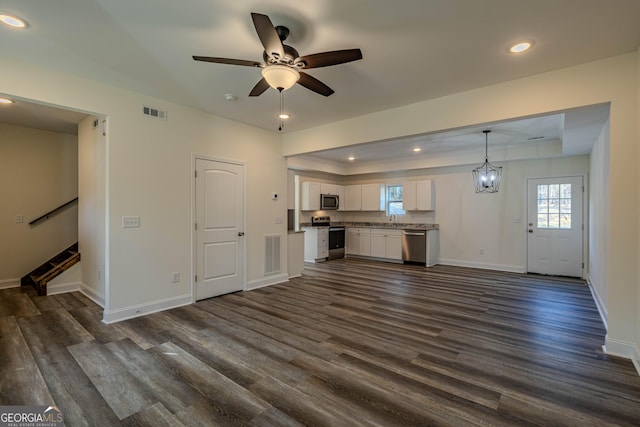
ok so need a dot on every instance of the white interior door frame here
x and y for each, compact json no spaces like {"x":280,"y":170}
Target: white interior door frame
{"x":193,"y":253}
{"x":585,"y":217}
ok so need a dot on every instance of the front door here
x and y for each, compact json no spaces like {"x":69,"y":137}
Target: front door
{"x":219,"y":207}
{"x":555,"y":226}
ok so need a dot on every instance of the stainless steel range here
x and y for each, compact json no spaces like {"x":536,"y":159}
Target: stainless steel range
{"x":336,"y":236}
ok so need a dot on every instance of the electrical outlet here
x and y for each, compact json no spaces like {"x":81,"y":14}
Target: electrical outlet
{"x":130,"y":221}
{"x":175,"y":277}
{"x":481,"y":251}
{"x":19,"y":219}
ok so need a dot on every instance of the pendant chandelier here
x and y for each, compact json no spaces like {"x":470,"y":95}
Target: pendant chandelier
{"x":486,"y":177}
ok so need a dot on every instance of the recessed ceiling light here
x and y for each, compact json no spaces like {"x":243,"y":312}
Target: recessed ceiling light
{"x":13,"y":21}
{"x":521,"y":46}
{"x":351,"y":158}
{"x":284,"y":116}
{"x":6,"y":101}
{"x":417,"y":149}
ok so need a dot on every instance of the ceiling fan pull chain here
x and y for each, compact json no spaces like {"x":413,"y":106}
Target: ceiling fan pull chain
{"x":281,"y":109}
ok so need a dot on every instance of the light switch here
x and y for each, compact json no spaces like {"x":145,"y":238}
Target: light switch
{"x":279,"y":219}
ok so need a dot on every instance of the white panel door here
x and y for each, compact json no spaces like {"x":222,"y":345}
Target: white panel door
{"x":555,"y":226}
{"x":219,"y":228}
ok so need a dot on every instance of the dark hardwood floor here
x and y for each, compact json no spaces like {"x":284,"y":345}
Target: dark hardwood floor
{"x":349,"y":343}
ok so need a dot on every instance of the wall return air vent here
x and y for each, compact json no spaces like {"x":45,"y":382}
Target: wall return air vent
{"x":156,"y":113}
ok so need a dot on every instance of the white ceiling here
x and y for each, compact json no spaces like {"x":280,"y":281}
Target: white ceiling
{"x":413,"y":50}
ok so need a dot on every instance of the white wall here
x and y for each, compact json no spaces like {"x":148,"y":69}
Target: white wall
{"x":613,"y":80}
{"x":148,"y":174}
{"x":91,"y":216}
{"x":599,"y":221}
{"x":38,"y":172}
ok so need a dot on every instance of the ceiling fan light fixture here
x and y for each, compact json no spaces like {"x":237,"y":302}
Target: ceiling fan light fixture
{"x":280,"y":76}
{"x":284,"y":116}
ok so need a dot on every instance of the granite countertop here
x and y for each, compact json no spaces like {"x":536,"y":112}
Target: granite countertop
{"x":399,"y":225}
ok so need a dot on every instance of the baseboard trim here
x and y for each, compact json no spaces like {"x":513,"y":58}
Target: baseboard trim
{"x":92,"y":295}
{"x":473,"y":264}
{"x":624,"y":349}
{"x":63,"y":288}
{"x":9,"y":283}
{"x":267,"y":281}
{"x":599,"y":304}
{"x":133,"y":311}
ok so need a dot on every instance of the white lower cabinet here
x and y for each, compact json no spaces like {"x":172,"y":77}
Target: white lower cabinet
{"x":378,"y":243}
{"x":316,"y":244}
{"x":394,"y":245}
{"x":358,"y":241}
{"x":386,"y":243}
{"x":374,"y":242}
{"x":364,"y":242}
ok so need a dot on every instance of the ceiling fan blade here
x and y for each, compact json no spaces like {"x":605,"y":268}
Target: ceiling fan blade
{"x":314,"y":84}
{"x":326,"y":59}
{"x":268,"y":35}
{"x":228,"y":61}
{"x":259,"y":88}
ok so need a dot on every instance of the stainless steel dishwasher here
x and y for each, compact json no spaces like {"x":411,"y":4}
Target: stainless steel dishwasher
{"x":414,"y":246}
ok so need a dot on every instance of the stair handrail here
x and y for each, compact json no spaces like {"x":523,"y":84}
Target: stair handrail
{"x":52,"y":212}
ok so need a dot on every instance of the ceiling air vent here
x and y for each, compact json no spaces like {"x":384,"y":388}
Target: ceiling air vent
{"x":154,"y":112}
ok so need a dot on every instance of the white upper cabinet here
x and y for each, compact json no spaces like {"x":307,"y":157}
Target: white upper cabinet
{"x":365,"y":197}
{"x":352,"y":198}
{"x":328,"y":188}
{"x":310,"y":196}
{"x":373,"y":197}
{"x":418,"y":196}
{"x":341,"y":197}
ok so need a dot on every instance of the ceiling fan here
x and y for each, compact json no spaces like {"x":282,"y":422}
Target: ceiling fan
{"x":282,"y":64}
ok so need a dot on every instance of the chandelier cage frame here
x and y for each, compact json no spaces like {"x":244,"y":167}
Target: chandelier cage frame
{"x":487,"y":176}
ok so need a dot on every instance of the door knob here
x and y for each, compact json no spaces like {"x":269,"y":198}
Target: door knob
{"x":530,"y":230}
{"x":240,"y":233}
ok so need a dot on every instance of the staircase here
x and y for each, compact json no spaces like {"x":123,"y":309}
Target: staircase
{"x":39,"y":277}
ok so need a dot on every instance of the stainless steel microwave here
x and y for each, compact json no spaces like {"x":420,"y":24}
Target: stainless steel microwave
{"x":329,"y":202}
